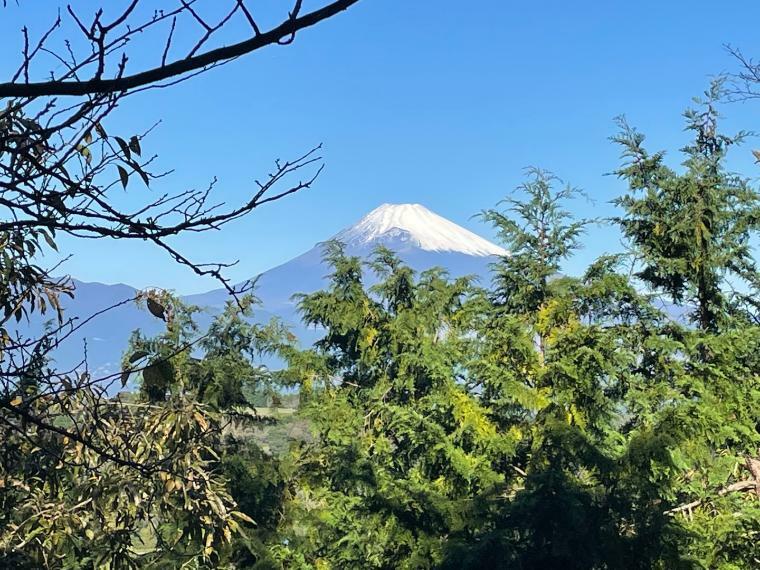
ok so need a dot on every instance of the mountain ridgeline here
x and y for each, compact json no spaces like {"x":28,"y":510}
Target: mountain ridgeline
{"x":421,"y":238}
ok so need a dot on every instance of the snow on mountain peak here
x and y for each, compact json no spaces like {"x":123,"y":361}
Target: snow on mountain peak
{"x":427,"y":230}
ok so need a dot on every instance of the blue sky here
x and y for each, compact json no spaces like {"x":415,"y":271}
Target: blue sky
{"x":437,"y":102}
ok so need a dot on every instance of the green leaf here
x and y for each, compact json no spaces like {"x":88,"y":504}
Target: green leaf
{"x":85,"y":152}
{"x":156,"y":309}
{"x":243,"y":517}
{"x":134,"y":145}
{"x":49,"y":240}
{"x":124,"y":147}
{"x":142,"y":173}
{"x":124,"y":175}
{"x":137,"y":355}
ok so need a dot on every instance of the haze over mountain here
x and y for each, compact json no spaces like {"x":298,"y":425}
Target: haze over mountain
{"x":420,"y":237}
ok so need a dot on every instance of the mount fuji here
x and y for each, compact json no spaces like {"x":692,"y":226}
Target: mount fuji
{"x":418,"y":236}
{"x":421,"y":238}
{"x":415,"y":226}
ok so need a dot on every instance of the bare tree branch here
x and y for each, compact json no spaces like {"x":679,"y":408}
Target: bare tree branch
{"x":284,"y":33}
{"x":61,"y":171}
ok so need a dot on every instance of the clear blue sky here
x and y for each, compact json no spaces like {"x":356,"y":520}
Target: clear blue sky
{"x":437,"y":102}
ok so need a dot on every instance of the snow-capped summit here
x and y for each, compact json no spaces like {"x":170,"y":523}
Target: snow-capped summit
{"x":418,"y":226}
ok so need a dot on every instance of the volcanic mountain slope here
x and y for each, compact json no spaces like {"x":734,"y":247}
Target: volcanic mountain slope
{"x":420,"y":237}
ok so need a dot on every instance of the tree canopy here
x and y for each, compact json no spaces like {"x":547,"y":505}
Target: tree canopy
{"x":539,"y":419}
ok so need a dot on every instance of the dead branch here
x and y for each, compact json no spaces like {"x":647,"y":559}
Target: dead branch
{"x":752,"y":464}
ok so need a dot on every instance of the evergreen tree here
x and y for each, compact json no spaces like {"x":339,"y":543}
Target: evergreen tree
{"x":400,"y":446}
{"x":557,"y":361}
{"x":691,"y":230}
{"x":691,"y":233}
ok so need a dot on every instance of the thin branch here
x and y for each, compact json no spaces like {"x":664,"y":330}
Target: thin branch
{"x":733,"y":488}
{"x":274,"y":36}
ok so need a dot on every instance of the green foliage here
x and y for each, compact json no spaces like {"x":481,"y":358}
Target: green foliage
{"x":218,"y":369}
{"x":400,"y":447}
{"x":692,"y":229}
{"x":153,"y":502}
{"x":539,"y":234}
{"x":156,"y":480}
{"x":548,"y":421}
{"x":26,"y":287}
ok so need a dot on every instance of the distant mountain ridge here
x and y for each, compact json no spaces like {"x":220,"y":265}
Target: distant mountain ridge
{"x":420,"y":237}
